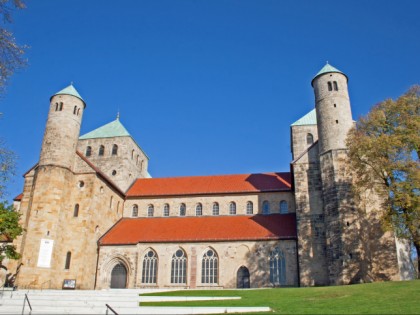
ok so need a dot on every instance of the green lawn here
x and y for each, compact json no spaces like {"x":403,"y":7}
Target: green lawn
{"x":372,"y":298}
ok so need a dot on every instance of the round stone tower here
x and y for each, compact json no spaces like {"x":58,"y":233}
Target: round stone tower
{"x":333,"y":110}
{"x":62,"y":129}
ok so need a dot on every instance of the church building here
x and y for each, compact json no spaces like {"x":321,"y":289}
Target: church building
{"x":94,"y":217}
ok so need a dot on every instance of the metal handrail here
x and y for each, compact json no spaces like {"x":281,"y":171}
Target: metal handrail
{"x":110,"y":308}
{"x":24,"y":303}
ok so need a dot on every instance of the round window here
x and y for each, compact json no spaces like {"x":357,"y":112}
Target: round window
{"x":114,"y":172}
{"x":81,"y":184}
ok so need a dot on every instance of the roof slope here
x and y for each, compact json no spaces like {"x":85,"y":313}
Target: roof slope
{"x":198,"y":229}
{"x":70,"y":90}
{"x":110,"y":130}
{"x":328,"y":69}
{"x":308,"y":119}
{"x":219,"y":184}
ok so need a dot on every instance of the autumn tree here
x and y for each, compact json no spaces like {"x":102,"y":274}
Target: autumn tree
{"x":384,"y":150}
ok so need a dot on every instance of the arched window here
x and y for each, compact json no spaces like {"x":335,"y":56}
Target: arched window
{"x":110,"y":202}
{"x":179,"y":267}
{"x":329,"y":86}
{"x":266,"y":207}
{"x":309,"y":138}
{"x":141,"y":165}
{"x":166,"y":210}
{"x":88,"y":151}
{"x":114,"y":149}
{"x":249,"y":207}
{"x":74,"y":110}
{"x":119,"y":277}
{"x":137,"y":159}
{"x":61,"y":106}
{"x":150,"y":266}
{"x":56,"y":106}
{"x":101,"y":150}
{"x":150,"y":210}
{"x":76,"y":210}
{"x":277,"y":267}
{"x":68,"y":260}
{"x":335,"y":86}
{"x":78,"y":111}
{"x":283,"y":207}
{"x":118,"y":206}
{"x":209,"y":267}
{"x":132,"y":155}
{"x":199,"y":209}
{"x":232,"y":208}
{"x":182,"y":209}
{"x":215,"y":208}
{"x":135,"y":211}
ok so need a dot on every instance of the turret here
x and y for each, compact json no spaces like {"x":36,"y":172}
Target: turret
{"x":62,"y":129}
{"x":333,"y":110}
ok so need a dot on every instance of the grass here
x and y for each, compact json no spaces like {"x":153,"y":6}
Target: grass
{"x":373,"y":298}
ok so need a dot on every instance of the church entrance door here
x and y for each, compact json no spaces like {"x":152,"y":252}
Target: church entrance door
{"x":119,"y":277}
{"x":242,"y":277}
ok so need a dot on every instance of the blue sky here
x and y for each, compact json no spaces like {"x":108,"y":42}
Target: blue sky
{"x":205,"y":87}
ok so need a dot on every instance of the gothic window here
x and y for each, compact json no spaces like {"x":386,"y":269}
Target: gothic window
{"x":166,"y":210}
{"x":74,"y":110}
{"x":182,"y":210}
{"x":88,"y":151}
{"x":150,"y":265}
{"x":179,"y":267}
{"x":150,"y":210}
{"x":199,"y":209}
{"x":76,"y":210}
{"x":309,"y":138}
{"x":209,"y":267}
{"x":68,"y":260}
{"x":215,"y":208}
{"x":277,"y":267}
{"x":114,"y":149}
{"x":101,"y":150}
{"x":283,"y":207}
{"x":249,"y":207}
{"x":329,"y":86}
{"x":232,"y":208}
{"x":266,"y":207}
{"x":335,"y":86}
{"x":135,"y":211}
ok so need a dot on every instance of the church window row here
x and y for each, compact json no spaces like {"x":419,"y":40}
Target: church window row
{"x":331,"y":85}
{"x":101,"y":150}
{"x":283,"y":208}
{"x":209,"y":267}
{"x":59,"y":107}
{"x":137,"y":159}
{"x":76,"y":111}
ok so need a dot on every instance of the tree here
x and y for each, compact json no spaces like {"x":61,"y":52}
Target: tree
{"x":11,"y":54}
{"x":384,"y":151}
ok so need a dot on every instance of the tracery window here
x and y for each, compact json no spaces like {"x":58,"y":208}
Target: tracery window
{"x":199,"y":209}
{"x":277,"y":267}
{"x":249,"y":207}
{"x":101,"y":150}
{"x":150,"y":210}
{"x":166,"y":210}
{"x":135,"y":211}
{"x":266,"y":207}
{"x":114,"y":149}
{"x":88,"y":151}
{"x":209,"y":267}
{"x":215,"y":208}
{"x":179,"y":267}
{"x":284,"y":207}
{"x":232,"y":208}
{"x":150,"y":265}
{"x":182,"y":209}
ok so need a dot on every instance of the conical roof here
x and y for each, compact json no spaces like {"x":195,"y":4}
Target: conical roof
{"x":308,"y":119}
{"x":110,"y":130}
{"x":70,"y":90}
{"x":328,"y":69}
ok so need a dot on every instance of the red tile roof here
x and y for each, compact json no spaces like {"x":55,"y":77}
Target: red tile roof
{"x":18,"y":197}
{"x":203,"y":185}
{"x":199,"y":229}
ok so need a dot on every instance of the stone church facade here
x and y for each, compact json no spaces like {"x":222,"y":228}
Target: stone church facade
{"x":92,"y":213}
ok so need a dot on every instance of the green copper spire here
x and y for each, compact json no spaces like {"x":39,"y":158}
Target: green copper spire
{"x":308,"y":119}
{"x":70,"y":90}
{"x":327,"y":69}
{"x":113,"y":129}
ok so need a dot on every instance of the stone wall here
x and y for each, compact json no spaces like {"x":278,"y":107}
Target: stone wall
{"x":231,"y":256}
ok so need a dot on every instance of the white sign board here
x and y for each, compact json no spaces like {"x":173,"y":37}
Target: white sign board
{"x":45,"y":252}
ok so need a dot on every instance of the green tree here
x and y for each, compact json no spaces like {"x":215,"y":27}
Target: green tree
{"x":384,"y":150}
{"x":11,"y":54}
